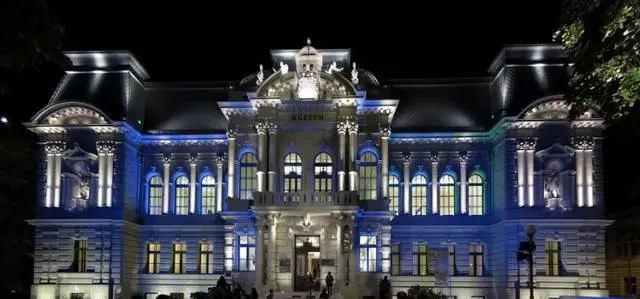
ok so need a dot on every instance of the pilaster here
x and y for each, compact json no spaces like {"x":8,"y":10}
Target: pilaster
{"x":53,"y":151}
{"x":384,"y":144}
{"x":464,"y":201}
{"x":166,"y":164}
{"x":231,"y":156}
{"x":406,"y":194}
{"x":434,"y":182}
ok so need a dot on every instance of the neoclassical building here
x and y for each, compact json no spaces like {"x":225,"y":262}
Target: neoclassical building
{"x":315,"y":166}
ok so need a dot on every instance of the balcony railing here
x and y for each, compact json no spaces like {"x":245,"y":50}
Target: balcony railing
{"x":345,"y":198}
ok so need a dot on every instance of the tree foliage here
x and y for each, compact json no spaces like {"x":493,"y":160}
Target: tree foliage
{"x":419,"y":292}
{"x":602,"y":38}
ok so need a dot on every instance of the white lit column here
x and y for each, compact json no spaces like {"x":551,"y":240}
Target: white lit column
{"x":531,"y":146}
{"x":463,"y":183}
{"x":579,"y":147}
{"x":231,"y":147}
{"x":342,"y":144}
{"x":271,"y":251}
{"x":588,"y":171}
{"x":338,"y":278}
{"x":219,"y":164}
{"x":384,"y":139}
{"x":353,"y":139}
{"x":406,"y":177}
{"x":259,"y":252}
{"x":261,"y":128}
{"x":166,"y":164}
{"x":102,"y":169}
{"x":193,"y":163}
{"x":53,"y":150}
{"x":273,"y":163}
{"x":434,"y":183}
{"x":521,"y":173}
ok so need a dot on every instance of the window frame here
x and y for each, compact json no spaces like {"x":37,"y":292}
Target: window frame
{"x":208,"y":194}
{"x":155,"y":190}
{"x":368,"y":175}
{"x":423,"y":195}
{"x":293,"y":170}
{"x":247,"y":175}
{"x":153,"y":257}
{"x":205,"y":258}
{"x":476,"y":260}
{"x":323,"y":173}
{"x":552,"y":257}
{"x":447,"y":195}
{"x":476,"y":195}
{"x":179,"y":258}
{"x":370,"y":248}
{"x":181,"y":194}
{"x":80,"y":247}
{"x":248,"y":247}
{"x":394,"y":196}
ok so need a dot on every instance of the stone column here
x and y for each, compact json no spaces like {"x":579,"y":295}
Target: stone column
{"x":588,"y":145}
{"x":338,"y":277}
{"x":53,"y":150}
{"x":384,"y":140}
{"x":342,"y":146}
{"x":102,"y":169}
{"x":521,"y":173}
{"x":193,"y":163}
{"x":353,"y":148}
{"x":406,"y":177}
{"x":261,"y":128}
{"x":579,"y":150}
{"x":260,"y":256}
{"x":219,"y":182}
{"x":434,"y":183}
{"x":273,"y":160}
{"x":166,"y":163}
{"x":271,"y":252}
{"x":463,"y":183}
{"x":231,"y":156}
{"x":530,"y":179}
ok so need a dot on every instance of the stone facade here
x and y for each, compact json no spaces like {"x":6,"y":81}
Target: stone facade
{"x":317,"y":167}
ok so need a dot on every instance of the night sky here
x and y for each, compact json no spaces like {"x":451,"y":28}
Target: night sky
{"x":215,"y":41}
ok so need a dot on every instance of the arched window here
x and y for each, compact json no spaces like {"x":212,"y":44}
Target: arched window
{"x":447,"y":195}
{"x":292,"y":173}
{"x":476,"y":195}
{"x":208,"y":195}
{"x":248,"y":178}
{"x":155,"y":195}
{"x":368,"y":173}
{"x":182,"y":195}
{"x":394,"y":194}
{"x":419,"y":195}
{"x":323,"y":173}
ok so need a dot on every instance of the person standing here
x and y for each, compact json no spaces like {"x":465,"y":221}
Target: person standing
{"x":329,"y":281}
{"x":385,"y":288}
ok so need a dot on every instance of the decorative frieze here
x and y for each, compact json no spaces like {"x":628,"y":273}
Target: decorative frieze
{"x":54,"y":147}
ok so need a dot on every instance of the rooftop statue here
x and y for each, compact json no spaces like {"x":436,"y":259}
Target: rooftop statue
{"x":354,"y":75}
{"x":334,"y":67}
{"x":284,"y":68}
{"x":260,"y":76}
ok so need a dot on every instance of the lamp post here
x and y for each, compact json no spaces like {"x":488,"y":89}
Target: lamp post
{"x":525,"y":252}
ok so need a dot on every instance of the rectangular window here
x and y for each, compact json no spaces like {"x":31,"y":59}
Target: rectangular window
{"x":421,"y":260}
{"x":476,"y":260}
{"x":452,"y":259}
{"x":552,"y":258}
{"x":206,"y":258}
{"x":394,"y":194}
{"x":228,"y":254}
{"x":153,"y":258}
{"x":395,"y":259}
{"x":368,"y":253}
{"x":247,"y":254}
{"x":179,"y":258}
{"x":368,"y":176}
{"x":80,"y":255}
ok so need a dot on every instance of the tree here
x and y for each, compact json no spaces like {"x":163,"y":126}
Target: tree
{"x":602,"y":38}
{"x":31,"y":41}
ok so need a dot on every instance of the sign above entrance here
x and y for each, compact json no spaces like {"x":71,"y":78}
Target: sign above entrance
{"x":307,"y":117}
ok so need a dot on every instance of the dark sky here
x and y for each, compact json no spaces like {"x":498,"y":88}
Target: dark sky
{"x":216,"y":41}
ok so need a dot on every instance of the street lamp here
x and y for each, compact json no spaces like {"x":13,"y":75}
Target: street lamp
{"x":525,"y":252}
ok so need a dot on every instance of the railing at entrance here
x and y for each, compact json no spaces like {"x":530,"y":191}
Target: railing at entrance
{"x":346,"y":198}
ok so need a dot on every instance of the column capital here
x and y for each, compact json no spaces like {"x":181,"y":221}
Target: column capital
{"x":231,"y":133}
{"x":342,"y":126}
{"x":583,"y":142}
{"x":526,"y":143}
{"x":434,"y":157}
{"x":166,"y":159}
{"x":105,"y":146}
{"x":353,"y":126}
{"x":406,"y":159}
{"x":385,"y":131}
{"x":273,"y":128}
{"x":219,"y":160}
{"x":54,"y":147}
{"x":193,"y":159}
{"x":262,"y":127}
{"x":463,"y":157}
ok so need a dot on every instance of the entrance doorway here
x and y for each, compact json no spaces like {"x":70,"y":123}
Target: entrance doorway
{"x":307,"y":263}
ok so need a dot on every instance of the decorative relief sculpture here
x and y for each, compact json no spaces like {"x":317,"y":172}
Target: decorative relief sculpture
{"x":78,"y":176}
{"x":555,"y":164}
{"x":354,"y":75}
{"x":260,"y":76}
{"x":334,"y":68}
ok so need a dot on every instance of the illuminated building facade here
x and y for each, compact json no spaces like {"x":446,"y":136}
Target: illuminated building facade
{"x":312,"y":167}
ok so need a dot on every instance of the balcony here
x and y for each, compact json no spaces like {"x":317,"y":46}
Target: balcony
{"x":305,"y":199}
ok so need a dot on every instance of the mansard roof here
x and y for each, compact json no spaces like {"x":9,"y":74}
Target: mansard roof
{"x":118,"y":87}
